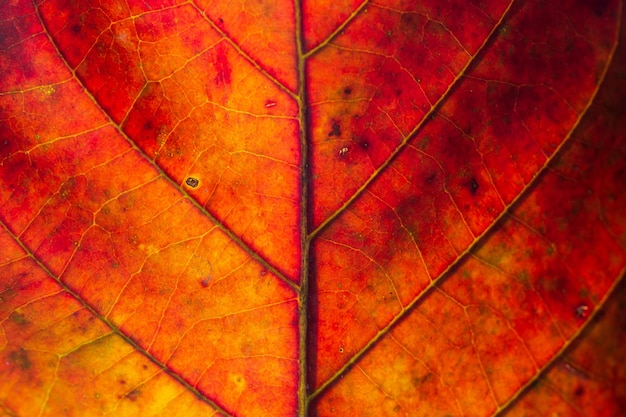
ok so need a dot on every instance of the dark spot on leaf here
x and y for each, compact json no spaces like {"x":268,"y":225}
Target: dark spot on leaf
{"x":473,"y":186}
{"x":76,"y":28}
{"x":21,"y":359}
{"x":148,"y":125}
{"x":122,"y":382}
{"x":582,"y":311}
{"x":220,"y":21}
{"x":19,"y":318}
{"x":347,"y":91}
{"x":422,"y":379}
{"x":133,"y":395}
{"x":430,"y":178}
{"x":144,"y":366}
{"x":192,"y":182}
{"x":205,"y":282}
{"x":335,"y":129}
{"x":579,"y":391}
{"x":364,"y":144}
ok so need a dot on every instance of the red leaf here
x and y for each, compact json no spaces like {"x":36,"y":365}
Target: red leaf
{"x":274,"y":208}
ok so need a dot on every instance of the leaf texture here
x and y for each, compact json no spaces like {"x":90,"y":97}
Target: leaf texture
{"x":311,"y":209}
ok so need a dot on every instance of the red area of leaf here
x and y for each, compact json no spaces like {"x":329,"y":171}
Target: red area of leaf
{"x":348,"y":208}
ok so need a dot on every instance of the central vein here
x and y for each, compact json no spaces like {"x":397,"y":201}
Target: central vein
{"x":304,"y":213}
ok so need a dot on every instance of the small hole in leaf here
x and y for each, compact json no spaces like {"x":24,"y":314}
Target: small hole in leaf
{"x":192,"y":182}
{"x":340,"y":350}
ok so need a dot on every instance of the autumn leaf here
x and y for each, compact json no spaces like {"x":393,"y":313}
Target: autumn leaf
{"x":310,"y":209}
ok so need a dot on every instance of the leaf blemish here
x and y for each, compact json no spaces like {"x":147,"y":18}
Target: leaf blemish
{"x":21,"y":359}
{"x":577,"y":372}
{"x":133,"y":395}
{"x":582,"y":311}
{"x":192,"y":182}
{"x":222,"y":67}
{"x":335,"y":129}
{"x":473,"y":186}
{"x":430,"y":178}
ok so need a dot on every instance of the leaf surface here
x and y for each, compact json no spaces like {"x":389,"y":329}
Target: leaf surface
{"x":276,"y":208}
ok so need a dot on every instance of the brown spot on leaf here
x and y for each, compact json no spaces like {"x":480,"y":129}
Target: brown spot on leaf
{"x":192,"y":182}
{"x":19,"y":319}
{"x":335,"y":129}
{"x":133,"y":395}
{"x":21,"y":359}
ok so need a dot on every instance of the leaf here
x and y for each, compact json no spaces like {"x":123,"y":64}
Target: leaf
{"x":273,"y":208}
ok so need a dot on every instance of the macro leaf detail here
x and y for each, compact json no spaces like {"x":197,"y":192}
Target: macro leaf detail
{"x":274,"y":208}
